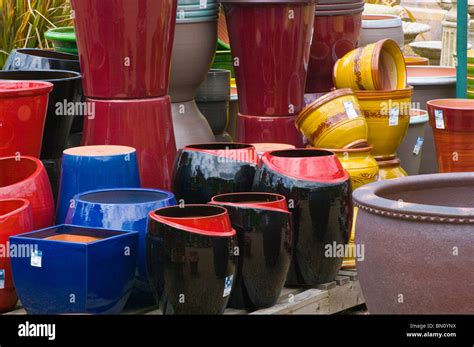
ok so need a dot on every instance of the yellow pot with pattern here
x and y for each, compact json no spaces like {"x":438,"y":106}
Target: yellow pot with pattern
{"x":378,"y":66}
{"x":387,"y":113}
{"x":334,"y":121}
{"x":390,"y":168}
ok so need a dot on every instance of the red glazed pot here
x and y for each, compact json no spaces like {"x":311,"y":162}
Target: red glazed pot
{"x":15,"y":218}
{"x":335,"y":34}
{"x":26,"y":177}
{"x":452,"y":121}
{"x":251,"y":129}
{"x":270,"y":42}
{"x":144,"y":124}
{"x":23,"y":107}
{"x":125,"y":46}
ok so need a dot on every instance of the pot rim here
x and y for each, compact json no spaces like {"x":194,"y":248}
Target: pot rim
{"x":348,"y":150}
{"x":224,"y":212}
{"x":379,"y":46}
{"x":34,"y":88}
{"x":390,"y":21}
{"x":260,"y":205}
{"x":431,"y":80}
{"x":328,"y":13}
{"x":384,"y":94}
{"x":74,"y":151}
{"x":29,"y":51}
{"x":65,"y":34}
{"x":368,"y":198}
{"x":39,"y":168}
{"x":168,"y":196}
{"x":253,"y":158}
{"x":258,"y":2}
{"x":420,"y":118}
{"x":435,"y":103}
{"x":161,"y":99}
{"x":76,"y":76}
{"x":24,"y":206}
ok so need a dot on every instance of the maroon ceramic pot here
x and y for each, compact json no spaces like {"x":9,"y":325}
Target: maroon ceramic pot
{"x":270,"y":42}
{"x":254,"y":129}
{"x":418,"y":244}
{"x":336,"y":32}
{"x":125,"y":46}
{"x":144,"y":124}
{"x":26,"y":178}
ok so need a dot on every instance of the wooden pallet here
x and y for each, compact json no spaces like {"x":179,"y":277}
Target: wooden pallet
{"x":329,"y":298}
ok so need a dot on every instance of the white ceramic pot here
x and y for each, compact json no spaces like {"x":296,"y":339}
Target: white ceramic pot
{"x":378,"y":27}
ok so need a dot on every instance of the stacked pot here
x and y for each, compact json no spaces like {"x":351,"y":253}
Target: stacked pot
{"x":125,"y":78}
{"x":193,"y":51}
{"x":270,"y":81}
{"x":337,"y":28}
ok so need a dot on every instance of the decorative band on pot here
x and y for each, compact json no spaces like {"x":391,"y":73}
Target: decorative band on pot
{"x":190,"y":258}
{"x":318,"y":191}
{"x":264,"y":239}
{"x":205,"y":170}
{"x":334,"y":121}
{"x":377,"y":66}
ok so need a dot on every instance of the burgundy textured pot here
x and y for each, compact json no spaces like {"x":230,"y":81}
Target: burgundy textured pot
{"x":252,"y":129}
{"x":26,"y":177}
{"x":144,"y":124}
{"x":125,"y":46}
{"x":418,"y":241}
{"x":452,"y":121}
{"x":335,"y":33}
{"x":263,"y":33}
{"x":23,"y":107}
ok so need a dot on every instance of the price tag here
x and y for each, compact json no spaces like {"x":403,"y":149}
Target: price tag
{"x":350,"y":110}
{"x":2,"y":279}
{"x":439,"y":119}
{"x":202,"y":4}
{"x":229,"y":280}
{"x":393,"y":119}
{"x":36,"y":258}
{"x":418,"y":145}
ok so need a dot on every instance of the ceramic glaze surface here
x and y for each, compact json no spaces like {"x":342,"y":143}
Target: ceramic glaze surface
{"x":40,"y":59}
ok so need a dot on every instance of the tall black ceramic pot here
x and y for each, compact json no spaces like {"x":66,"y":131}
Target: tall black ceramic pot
{"x":264,"y":238}
{"x":318,"y":191}
{"x":205,"y":170}
{"x":190,"y":258}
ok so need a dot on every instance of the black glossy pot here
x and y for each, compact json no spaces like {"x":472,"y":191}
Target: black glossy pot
{"x":216,"y":113}
{"x":205,"y":170}
{"x":318,"y":191}
{"x":41,"y":59}
{"x":264,"y":237}
{"x":190,"y":258}
{"x":53,"y":168}
{"x":64,"y":97}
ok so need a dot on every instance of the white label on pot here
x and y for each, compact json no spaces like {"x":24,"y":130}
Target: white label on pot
{"x":2,"y":279}
{"x":36,"y":257}
{"x":439,"y":119}
{"x":181,"y":14}
{"x":393,"y":119}
{"x":229,"y":280}
{"x":202,"y":4}
{"x":418,"y":145}
{"x":350,"y":110}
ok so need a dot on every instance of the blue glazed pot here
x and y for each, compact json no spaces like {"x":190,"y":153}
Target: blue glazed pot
{"x":95,"y":167}
{"x":70,"y":269}
{"x":123,"y":209}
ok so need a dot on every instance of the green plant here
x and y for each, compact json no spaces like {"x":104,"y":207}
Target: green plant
{"x":23,"y":23}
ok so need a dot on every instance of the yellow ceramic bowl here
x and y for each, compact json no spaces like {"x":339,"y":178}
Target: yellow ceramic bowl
{"x":387,"y":114}
{"x":390,"y":169}
{"x":416,"y":61}
{"x":378,"y":66}
{"x":333,"y":121}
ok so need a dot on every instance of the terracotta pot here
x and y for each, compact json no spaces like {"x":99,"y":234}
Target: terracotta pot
{"x":390,"y":168}
{"x":205,"y":170}
{"x":264,"y":237}
{"x":377,"y":27}
{"x":377,"y":66}
{"x":411,"y":229}
{"x":146,"y":125}
{"x":41,"y":59}
{"x":193,"y":50}
{"x":262,"y":148}
{"x":411,"y":149}
{"x":189,"y":124}
{"x":430,"y":83}
{"x":387,"y":114}
{"x":415,"y":61}
{"x":92,"y":266}
{"x":123,"y":209}
{"x":190,"y":254}
{"x":95,"y":167}
{"x":273,"y":84}
{"x":268,"y":129}
{"x":15,"y":218}
{"x":318,"y":191}
{"x":334,"y":121}
{"x":26,"y":178}
{"x":66,"y":90}
{"x":335,"y":33}
{"x":23,"y":106}
{"x":452,"y":122}
{"x":111,"y":40}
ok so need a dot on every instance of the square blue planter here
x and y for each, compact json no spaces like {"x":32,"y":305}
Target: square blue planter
{"x":58,"y":277}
